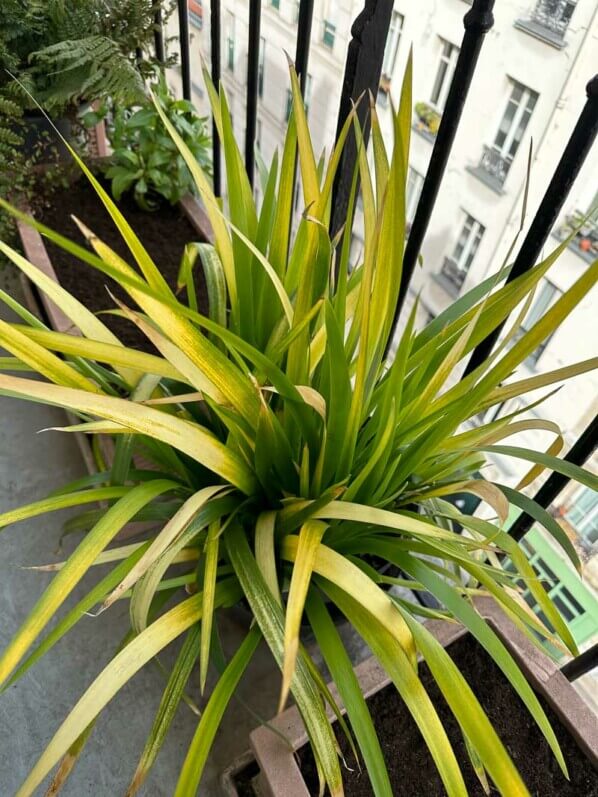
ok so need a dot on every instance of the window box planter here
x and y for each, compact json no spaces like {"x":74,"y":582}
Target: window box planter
{"x":428,"y":120}
{"x":280,"y":773}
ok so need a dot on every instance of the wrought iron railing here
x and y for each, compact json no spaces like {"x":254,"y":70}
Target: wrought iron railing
{"x":453,"y":272}
{"x":554,"y":15}
{"x":494,"y":164}
{"x":363,"y":67}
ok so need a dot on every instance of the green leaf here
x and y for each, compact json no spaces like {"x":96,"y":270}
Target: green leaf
{"x":209,"y":723}
{"x":341,"y":669}
{"x":76,"y":567}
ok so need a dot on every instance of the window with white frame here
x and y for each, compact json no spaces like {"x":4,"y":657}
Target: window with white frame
{"x":261,"y":67}
{"x":230,"y":41}
{"x":514,"y":122}
{"x":392,"y":44}
{"x":329,"y":34}
{"x":444,"y":76}
{"x":456,"y":267}
{"x":415,"y":182}
{"x":582,"y":514}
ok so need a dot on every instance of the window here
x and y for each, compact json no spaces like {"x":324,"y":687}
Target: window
{"x":230,"y":41}
{"x":582,"y":514}
{"x":307,"y":97}
{"x":260,"y":68}
{"x":444,"y":75}
{"x":275,"y":4}
{"x":258,"y":134}
{"x":195,"y":13}
{"x":455,"y":268}
{"x":564,"y":599}
{"x":497,"y":159}
{"x":545,"y":298}
{"x":415,"y":182}
{"x":392,"y":43}
{"x":329,"y":34}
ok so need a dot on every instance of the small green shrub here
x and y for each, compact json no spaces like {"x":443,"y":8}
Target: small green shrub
{"x":146,"y":160}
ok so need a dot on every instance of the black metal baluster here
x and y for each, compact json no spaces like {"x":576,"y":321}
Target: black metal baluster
{"x":578,"y":146}
{"x":158,"y":36}
{"x":184,"y":41}
{"x":363,"y":68}
{"x":306,"y":12}
{"x":477,"y":23}
{"x":578,"y":454}
{"x":215,"y":63}
{"x":581,"y":664}
{"x":253,"y":63}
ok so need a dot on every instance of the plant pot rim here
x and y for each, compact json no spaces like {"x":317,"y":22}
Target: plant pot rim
{"x":280,"y":774}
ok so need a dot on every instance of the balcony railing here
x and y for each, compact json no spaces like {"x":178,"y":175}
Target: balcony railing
{"x":492,"y":169}
{"x":495,"y":164}
{"x":548,"y":20}
{"x":585,"y":235}
{"x":552,"y":15}
{"x":453,"y":273}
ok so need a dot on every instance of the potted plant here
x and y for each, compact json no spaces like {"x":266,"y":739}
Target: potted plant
{"x":290,"y":458}
{"x":145,"y":159}
{"x":57,"y":58}
{"x":429,"y":118}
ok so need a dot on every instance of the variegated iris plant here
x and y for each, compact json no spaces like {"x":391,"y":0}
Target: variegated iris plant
{"x":290,"y":457}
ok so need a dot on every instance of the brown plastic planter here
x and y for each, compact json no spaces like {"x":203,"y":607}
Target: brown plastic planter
{"x":280,"y":775}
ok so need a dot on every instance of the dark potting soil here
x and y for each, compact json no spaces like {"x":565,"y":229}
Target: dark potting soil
{"x":163,"y":232}
{"x":244,"y":780}
{"x":411,"y":768}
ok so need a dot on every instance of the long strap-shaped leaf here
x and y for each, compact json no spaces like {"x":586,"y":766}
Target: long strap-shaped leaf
{"x":407,"y":682}
{"x":188,"y":437}
{"x":178,"y":523}
{"x":210,"y":720}
{"x":139,"y":361}
{"x":76,"y":567}
{"x":307,"y":548}
{"x":338,"y":662}
{"x":169,"y":703}
{"x":269,"y":617}
{"x":352,"y":580}
{"x":547,"y":461}
{"x":78,"y":611}
{"x":478,"y":627}
{"x":89,"y":324}
{"x":120,"y":670}
{"x":468,"y":712}
{"x":41,"y":360}
{"x":54,"y":503}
